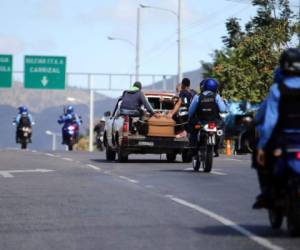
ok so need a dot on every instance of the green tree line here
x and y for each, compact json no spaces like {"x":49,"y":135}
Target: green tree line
{"x":244,"y":66}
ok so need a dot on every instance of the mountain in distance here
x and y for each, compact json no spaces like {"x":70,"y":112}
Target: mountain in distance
{"x":169,"y":84}
{"x":47,"y":105}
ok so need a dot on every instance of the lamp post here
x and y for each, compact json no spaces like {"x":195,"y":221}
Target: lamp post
{"x":179,"y":39}
{"x":136,"y":45}
{"x":54,"y":135}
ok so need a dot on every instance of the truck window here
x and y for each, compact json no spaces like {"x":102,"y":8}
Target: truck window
{"x":154,"y":102}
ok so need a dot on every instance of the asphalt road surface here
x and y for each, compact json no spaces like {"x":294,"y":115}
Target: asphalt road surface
{"x":77,"y":200}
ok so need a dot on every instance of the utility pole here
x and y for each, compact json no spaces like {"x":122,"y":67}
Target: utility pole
{"x":137,"y":46}
{"x":179,"y":42}
{"x":299,"y":26}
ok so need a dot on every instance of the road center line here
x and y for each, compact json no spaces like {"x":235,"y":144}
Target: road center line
{"x":259,"y":240}
{"x":67,"y":159}
{"x":93,"y":167}
{"x":128,"y":179}
{"x":51,"y":155}
{"x":217,"y":172}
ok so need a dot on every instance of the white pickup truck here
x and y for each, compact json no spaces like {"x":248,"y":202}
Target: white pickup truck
{"x":120,"y":141}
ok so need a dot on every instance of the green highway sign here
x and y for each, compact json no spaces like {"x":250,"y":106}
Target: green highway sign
{"x":45,"y":72}
{"x":5,"y":71}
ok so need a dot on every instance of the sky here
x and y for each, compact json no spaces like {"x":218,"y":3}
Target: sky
{"x":79,"y":30}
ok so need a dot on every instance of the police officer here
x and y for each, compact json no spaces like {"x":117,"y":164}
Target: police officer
{"x":281,"y":107}
{"x":24,"y":118}
{"x":206,"y":107}
{"x":282,"y":104}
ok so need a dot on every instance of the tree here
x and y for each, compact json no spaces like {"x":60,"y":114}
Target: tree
{"x":244,"y":67}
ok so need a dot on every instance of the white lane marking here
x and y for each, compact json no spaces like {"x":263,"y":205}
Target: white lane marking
{"x":128,"y":179}
{"x":33,"y":151}
{"x":212,"y":172}
{"x":259,"y":240}
{"x":67,"y":159}
{"x":51,"y":155}
{"x":217,"y":172}
{"x":8,"y":173}
{"x":93,"y":167}
{"x":231,"y":159}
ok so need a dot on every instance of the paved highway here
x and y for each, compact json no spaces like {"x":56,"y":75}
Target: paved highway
{"x":76,"y":200}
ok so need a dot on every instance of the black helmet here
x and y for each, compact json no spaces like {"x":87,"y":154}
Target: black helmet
{"x":138,"y":85}
{"x":289,"y":61}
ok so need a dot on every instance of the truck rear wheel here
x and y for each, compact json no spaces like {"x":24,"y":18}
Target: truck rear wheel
{"x":171,"y":157}
{"x":110,"y":154}
{"x":122,"y":157}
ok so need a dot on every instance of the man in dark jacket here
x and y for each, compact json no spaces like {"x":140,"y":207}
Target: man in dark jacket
{"x":132,"y":101}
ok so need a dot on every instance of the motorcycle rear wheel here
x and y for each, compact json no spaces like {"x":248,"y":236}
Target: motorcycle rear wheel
{"x":293,"y":216}
{"x":24,"y":145}
{"x":275,"y":218}
{"x":196,"y":163}
{"x":208,"y":161}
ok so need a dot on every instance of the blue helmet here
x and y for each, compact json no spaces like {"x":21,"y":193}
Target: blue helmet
{"x":22,"y":109}
{"x":210,"y":84}
{"x":70,"y":110}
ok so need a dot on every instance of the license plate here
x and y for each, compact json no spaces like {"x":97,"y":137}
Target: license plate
{"x":25,"y":134}
{"x":146,"y":143}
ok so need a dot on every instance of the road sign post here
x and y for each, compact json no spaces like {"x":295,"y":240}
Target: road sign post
{"x":45,"y":72}
{"x":5,"y":71}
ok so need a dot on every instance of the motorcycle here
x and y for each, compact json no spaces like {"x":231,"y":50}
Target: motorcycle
{"x":24,"y":133}
{"x":100,"y":140}
{"x":206,"y":140}
{"x":285,"y":201}
{"x":245,"y":141}
{"x":70,"y":134}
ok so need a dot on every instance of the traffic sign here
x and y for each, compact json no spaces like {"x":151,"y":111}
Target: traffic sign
{"x":5,"y":71}
{"x":45,"y":72}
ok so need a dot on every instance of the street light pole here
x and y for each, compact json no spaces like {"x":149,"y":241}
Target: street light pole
{"x":179,"y":42}
{"x":179,"y":39}
{"x":137,"y":46}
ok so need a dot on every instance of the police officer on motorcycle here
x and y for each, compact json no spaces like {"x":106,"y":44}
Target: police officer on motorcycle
{"x":68,"y":117}
{"x":206,"y":107}
{"x":282,"y":126}
{"x":24,"y":118}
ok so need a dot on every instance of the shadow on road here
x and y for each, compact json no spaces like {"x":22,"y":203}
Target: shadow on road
{"x":134,"y":161}
{"x":260,"y":230}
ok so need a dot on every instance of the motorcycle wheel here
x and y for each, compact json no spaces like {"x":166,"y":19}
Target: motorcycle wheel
{"x":70,"y":147}
{"x":293,"y":216}
{"x":275,"y":218}
{"x":24,"y":145}
{"x":171,"y":157}
{"x":196,"y":163}
{"x":208,"y":161}
{"x":110,"y":154}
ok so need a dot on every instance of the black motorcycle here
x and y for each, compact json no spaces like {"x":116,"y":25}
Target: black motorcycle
{"x":99,"y":141}
{"x":24,"y":136}
{"x":285,"y":198}
{"x":206,"y":141}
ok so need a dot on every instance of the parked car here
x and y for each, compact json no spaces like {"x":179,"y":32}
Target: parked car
{"x":121,"y":140}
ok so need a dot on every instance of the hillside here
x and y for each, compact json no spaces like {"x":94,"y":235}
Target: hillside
{"x":38,"y":100}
